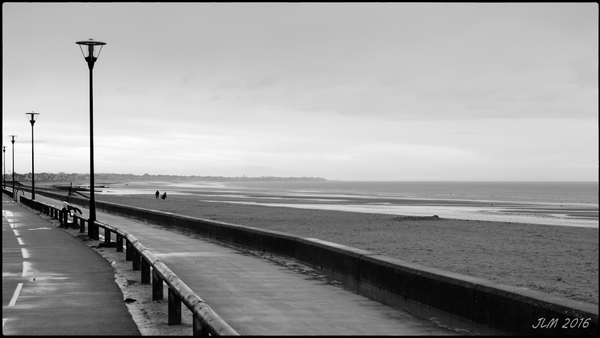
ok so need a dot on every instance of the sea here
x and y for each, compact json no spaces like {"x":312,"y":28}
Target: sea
{"x":548,"y":203}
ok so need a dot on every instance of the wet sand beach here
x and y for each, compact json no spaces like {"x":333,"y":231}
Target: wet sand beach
{"x":560,"y":260}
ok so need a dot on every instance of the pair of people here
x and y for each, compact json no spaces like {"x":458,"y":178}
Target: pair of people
{"x":164,"y":195}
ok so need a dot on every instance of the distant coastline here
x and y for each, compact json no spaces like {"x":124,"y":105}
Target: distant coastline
{"x":77,"y":177}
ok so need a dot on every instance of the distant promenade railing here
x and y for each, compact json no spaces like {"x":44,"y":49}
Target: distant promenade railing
{"x":426,"y":292}
{"x":153,"y":271}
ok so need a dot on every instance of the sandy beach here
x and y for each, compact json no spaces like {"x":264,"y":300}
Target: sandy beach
{"x":554,"y":259}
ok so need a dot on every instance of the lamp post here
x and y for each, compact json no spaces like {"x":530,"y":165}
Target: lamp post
{"x":13,"y":163}
{"x":4,"y":167}
{"x":32,"y":117}
{"x":90,"y":52}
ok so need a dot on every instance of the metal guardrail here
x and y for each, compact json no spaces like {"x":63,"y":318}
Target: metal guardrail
{"x":153,"y":271}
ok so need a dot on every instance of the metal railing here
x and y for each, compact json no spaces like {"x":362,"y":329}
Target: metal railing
{"x":153,"y":271}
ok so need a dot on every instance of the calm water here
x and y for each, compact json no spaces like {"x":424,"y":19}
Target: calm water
{"x":540,"y":192}
{"x":551,"y":203}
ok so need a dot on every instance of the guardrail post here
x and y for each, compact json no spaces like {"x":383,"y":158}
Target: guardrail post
{"x":198,"y":329}
{"x":136,"y":259}
{"x":119,"y":243}
{"x":81,"y":225}
{"x":145,"y":271}
{"x":174,"y":308}
{"x":106,"y":236}
{"x":128,"y":251}
{"x":157,"y":286}
{"x":64,"y":219}
{"x":74,"y":224}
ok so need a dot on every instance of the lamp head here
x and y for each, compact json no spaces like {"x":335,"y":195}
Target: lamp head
{"x":32,"y":117}
{"x":91,"y":50}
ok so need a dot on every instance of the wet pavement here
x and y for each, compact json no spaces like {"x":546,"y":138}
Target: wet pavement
{"x":53,"y":284}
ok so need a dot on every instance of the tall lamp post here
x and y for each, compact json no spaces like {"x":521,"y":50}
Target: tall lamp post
{"x":32,"y":117}
{"x":13,"y":163}
{"x":91,"y":50}
{"x":4,"y":167}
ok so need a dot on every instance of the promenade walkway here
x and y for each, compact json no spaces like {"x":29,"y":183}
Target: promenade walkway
{"x":254,"y":296}
{"x":53,"y":284}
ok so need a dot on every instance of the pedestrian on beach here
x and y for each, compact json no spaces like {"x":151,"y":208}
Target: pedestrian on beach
{"x":164,"y":196}
{"x":157,"y":193}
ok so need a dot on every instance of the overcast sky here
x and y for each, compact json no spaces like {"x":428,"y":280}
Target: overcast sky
{"x":372,"y":91}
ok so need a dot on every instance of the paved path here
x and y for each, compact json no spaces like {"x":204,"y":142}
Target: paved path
{"x":259,"y":297}
{"x":53,"y":284}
